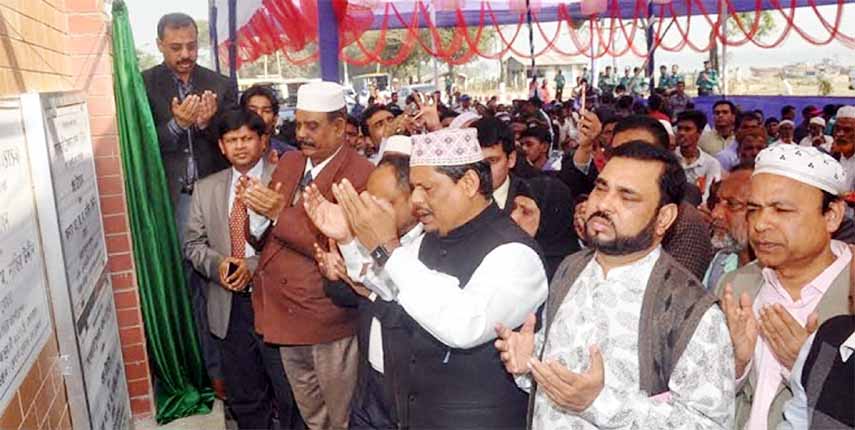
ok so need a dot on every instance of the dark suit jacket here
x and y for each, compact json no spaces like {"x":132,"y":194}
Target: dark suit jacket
{"x":290,"y":305}
{"x":207,"y":241}
{"x":578,"y":182}
{"x":161,"y":88}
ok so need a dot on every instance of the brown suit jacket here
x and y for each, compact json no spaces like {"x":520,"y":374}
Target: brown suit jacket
{"x":289,"y":301}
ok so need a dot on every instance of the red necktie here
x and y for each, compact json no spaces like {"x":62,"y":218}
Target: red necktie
{"x":238,"y":226}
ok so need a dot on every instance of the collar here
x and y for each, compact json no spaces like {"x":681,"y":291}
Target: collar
{"x":316,"y":170}
{"x":177,"y":79}
{"x":413,"y":234}
{"x":701,"y":160}
{"x":822,"y":282}
{"x":500,"y":195}
{"x":848,"y":348}
{"x":256,"y":171}
{"x":635,"y":275}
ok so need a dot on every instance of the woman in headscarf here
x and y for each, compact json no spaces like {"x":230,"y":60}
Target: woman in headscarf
{"x":547,"y":215}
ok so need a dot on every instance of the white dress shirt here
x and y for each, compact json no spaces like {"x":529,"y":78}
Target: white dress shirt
{"x":257,"y":223}
{"x":500,"y":195}
{"x":360,"y":268}
{"x":705,"y":166}
{"x":509,"y":284}
{"x":826,"y":142}
{"x":849,"y":167}
{"x":604,"y":310}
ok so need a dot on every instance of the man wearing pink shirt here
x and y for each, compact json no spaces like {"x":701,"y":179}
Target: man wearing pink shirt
{"x":800,"y":278}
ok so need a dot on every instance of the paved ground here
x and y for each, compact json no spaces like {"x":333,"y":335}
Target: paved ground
{"x":212,"y":421}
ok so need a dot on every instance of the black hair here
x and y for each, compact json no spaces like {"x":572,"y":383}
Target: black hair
{"x":694,"y":116}
{"x":725,"y":102}
{"x":368,"y":113}
{"x":827,"y":200}
{"x":648,"y":124}
{"x":672,"y":180}
{"x":747,"y":116}
{"x":606,"y":120}
{"x":538,"y":132}
{"x":625,"y":102}
{"x":401,"y":164}
{"x":807,"y":109}
{"x":482,"y":168}
{"x":260,"y":90}
{"x":492,"y":131}
{"x":620,"y":87}
{"x":770,"y":120}
{"x":175,"y":20}
{"x":353,"y":121}
{"x":656,"y":102}
{"x":234,"y":119}
{"x":786,"y":109}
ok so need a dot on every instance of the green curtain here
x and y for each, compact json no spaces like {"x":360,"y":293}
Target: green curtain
{"x":181,"y":382}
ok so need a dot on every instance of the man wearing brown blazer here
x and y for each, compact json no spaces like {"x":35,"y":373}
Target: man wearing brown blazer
{"x":319,"y":348}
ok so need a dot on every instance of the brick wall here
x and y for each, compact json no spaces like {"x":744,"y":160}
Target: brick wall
{"x":56,"y":45}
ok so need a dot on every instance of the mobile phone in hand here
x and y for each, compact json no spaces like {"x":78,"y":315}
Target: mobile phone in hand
{"x":232,"y":269}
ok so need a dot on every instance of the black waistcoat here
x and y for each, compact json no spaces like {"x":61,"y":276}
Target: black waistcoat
{"x":828,"y":381}
{"x":440,"y":387}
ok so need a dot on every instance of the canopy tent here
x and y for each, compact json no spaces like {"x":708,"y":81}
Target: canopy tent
{"x":261,"y":27}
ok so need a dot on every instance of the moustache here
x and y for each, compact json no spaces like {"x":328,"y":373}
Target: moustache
{"x":603,"y":215}
{"x":306,"y":144}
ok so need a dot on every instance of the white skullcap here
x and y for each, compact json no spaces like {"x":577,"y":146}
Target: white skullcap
{"x":786,"y":122}
{"x":399,"y":144}
{"x":816,"y":120}
{"x":461,"y":120}
{"x":847,"y":111}
{"x":321,"y":96}
{"x":668,"y":127}
{"x":446,"y":147}
{"x":807,"y":165}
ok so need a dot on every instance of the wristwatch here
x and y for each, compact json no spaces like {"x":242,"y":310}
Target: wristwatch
{"x":380,"y":255}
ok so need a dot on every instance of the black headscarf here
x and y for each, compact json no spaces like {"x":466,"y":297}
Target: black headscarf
{"x":555,"y":235}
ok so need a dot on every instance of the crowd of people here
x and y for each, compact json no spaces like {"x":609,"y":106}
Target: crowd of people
{"x":537,"y":265}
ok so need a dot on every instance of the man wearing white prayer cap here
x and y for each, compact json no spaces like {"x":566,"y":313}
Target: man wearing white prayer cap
{"x":319,"y":347}
{"x":800,"y":278}
{"x":844,"y":142}
{"x":472,"y":270}
{"x":816,"y":135}
{"x":786,"y":133}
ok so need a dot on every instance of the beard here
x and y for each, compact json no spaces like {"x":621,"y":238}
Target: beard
{"x":622,"y":245}
{"x":726,"y":243}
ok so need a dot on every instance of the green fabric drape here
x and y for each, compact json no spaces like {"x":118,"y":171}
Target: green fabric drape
{"x":181,"y":383}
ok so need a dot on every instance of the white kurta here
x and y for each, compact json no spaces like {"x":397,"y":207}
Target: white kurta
{"x":604,"y":311}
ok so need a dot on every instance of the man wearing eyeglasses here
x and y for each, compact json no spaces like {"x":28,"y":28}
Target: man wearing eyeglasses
{"x":729,"y":225}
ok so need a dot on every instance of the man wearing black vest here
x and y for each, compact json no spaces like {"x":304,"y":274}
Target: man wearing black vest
{"x":473,"y":269}
{"x":823,"y":377}
{"x":630,"y":338}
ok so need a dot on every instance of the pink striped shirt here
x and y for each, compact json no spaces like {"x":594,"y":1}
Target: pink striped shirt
{"x":771,"y":373}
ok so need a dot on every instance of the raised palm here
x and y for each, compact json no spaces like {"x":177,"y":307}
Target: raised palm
{"x":516,"y":347}
{"x":742,"y":325}
{"x":328,"y":217}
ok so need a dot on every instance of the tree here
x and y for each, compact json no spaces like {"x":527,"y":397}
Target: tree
{"x":146,"y":60}
{"x":419,"y":59}
{"x":765,"y":26}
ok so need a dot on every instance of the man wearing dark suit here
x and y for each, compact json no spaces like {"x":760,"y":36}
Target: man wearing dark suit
{"x":184,"y":97}
{"x":319,"y":347}
{"x":497,"y":145}
{"x":215,"y":242}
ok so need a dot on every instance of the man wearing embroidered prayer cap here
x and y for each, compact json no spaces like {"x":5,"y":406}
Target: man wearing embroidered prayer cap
{"x":844,"y":142}
{"x":472,"y":270}
{"x":800,"y":279}
{"x":318,"y":346}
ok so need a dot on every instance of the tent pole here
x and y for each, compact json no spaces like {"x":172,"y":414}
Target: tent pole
{"x":651,"y":50}
{"x":723,"y":62}
{"x":594,"y":75}
{"x":328,"y":43}
{"x":233,"y":41}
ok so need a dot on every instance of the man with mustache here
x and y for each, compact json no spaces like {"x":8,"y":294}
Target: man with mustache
{"x":800,"y":278}
{"x":184,"y":98}
{"x":729,"y":227}
{"x":630,"y":338}
{"x":472,"y":269}
{"x":317,"y":338}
